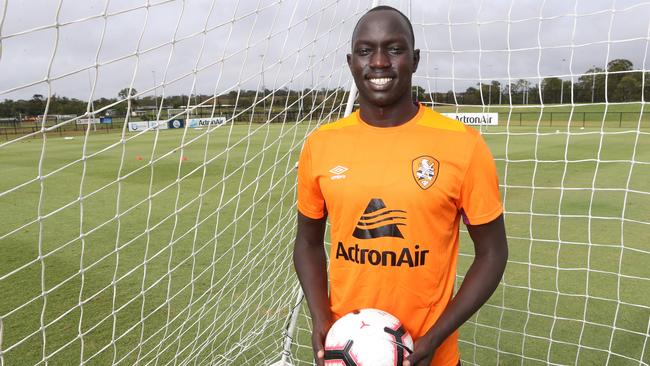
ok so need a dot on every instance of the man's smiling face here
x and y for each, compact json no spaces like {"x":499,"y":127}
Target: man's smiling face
{"x":383,"y":61}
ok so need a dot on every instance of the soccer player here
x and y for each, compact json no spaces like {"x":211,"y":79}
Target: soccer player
{"x":395,"y":178}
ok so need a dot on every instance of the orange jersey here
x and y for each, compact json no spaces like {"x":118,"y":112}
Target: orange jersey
{"x":395,"y":197}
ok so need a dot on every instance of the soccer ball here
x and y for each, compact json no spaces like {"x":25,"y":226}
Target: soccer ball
{"x":367,"y":337}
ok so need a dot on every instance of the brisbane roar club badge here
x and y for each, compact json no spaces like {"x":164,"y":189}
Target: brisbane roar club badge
{"x":425,"y":171}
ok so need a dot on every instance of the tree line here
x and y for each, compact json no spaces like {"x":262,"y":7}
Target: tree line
{"x":61,"y":105}
{"x":618,"y":83}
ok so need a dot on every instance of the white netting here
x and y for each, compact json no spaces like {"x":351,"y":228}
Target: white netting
{"x":157,"y":245}
{"x":574,"y":162}
{"x":573,"y":159}
{"x":126,"y":240}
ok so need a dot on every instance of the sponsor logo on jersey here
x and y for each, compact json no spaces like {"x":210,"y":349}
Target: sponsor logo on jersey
{"x":425,"y":170}
{"x":412,"y":257}
{"x":378,"y":222}
{"x":338,"y":172}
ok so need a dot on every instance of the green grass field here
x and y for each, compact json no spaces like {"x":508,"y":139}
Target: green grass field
{"x":231,"y":248}
{"x":201,"y":270}
{"x":577,"y":272}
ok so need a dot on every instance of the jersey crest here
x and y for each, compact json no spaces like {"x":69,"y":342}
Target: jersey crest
{"x":425,"y":170}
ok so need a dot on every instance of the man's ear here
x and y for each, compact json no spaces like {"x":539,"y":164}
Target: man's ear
{"x":349,"y":57}
{"x":416,"y":59}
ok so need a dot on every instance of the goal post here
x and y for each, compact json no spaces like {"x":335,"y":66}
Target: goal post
{"x":167,"y":240}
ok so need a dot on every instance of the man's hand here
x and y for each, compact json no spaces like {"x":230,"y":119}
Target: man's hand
{"x":423,"y":351}
{"x":318,"y":341}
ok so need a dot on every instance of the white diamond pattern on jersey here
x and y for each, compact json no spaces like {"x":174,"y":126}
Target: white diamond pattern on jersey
{"x":339,"y":169}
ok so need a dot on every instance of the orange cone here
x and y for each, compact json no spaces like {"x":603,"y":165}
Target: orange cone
{"x":138,"y":157}
{"x":184,"y":158}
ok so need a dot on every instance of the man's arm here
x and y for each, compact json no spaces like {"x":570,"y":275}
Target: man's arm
{"x":311,"y":267}
{"x":482,"y":278}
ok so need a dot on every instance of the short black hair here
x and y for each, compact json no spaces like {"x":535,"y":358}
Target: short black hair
{"x":386,"y":7}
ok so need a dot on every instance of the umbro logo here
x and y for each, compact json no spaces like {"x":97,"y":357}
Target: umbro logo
{"x":378,"y":222}
{"x":338,"y":172}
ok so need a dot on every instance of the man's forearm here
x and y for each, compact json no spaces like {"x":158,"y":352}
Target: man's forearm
{"x":482,"y":278}
{"x":311,"y":267}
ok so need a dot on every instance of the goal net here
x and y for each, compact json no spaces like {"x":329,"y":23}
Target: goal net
{"x":154,"y":223}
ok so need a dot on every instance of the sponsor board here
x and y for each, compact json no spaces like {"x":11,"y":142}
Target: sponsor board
{"x":475,"y":119}
{"x":138,"y":126}
{"x":160,"y":124}
{"x":176,"y":123}
{"x":106,"y":120}
{"x":87,"y":121}
{"x":204,"y":122}
{"x":141,"y":126}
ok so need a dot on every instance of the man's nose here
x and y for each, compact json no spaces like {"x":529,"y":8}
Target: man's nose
{"x":379,"y":59}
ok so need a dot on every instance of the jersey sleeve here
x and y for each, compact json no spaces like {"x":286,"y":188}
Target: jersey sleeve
{"x":310,"y":198}
{"x":480,"y":202}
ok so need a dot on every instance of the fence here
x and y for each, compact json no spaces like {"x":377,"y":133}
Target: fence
{"x":10,"y":129}
{"x":582,"y":119}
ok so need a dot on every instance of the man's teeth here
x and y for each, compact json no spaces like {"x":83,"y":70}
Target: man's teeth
{"x":380,"y":81}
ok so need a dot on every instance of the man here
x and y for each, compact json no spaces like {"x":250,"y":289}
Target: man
{"x":395,"y":178}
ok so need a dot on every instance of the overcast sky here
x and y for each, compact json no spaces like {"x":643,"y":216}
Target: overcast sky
{"x":63,"y":47}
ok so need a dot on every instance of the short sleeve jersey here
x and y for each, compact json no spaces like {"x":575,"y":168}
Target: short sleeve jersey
{"x":394,"y":198}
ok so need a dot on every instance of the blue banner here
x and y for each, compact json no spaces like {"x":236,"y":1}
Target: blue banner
{"x":176,"y":123}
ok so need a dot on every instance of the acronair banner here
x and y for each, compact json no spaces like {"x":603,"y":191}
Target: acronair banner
{"x":205,"y":122}
{"x":476,"y":119}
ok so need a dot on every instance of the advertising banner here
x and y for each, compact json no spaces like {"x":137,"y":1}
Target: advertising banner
{"x":106,"y":120}
{"x":87,"y":121}
{"x":176,"y":123}
{"x":475,"y":119}
{"x":138,"y":126}
{"x":160,"y":124}
{"x":205,"y":122}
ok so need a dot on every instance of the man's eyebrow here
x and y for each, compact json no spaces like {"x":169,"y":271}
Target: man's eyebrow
{"x":361,"y":41}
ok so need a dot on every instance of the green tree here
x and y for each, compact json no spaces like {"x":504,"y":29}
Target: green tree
{"x":551,"y":90}
{"x":471,"y":96}
{"x":418,"y":92}
{"x":36,"y":105}
{"x":616,"y":70}
{"x":533,"y":95}
{"x":591,"y":86}
{"x":628,"y":88}
{"x":124,"y":93}
{"x":519,"y":91}
{"x":8,"y":108}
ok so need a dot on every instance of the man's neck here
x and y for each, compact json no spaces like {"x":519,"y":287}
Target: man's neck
{"x":388,"y":116}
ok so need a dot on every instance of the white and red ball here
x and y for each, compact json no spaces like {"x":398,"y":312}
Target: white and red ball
{"x":367,"y":337}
